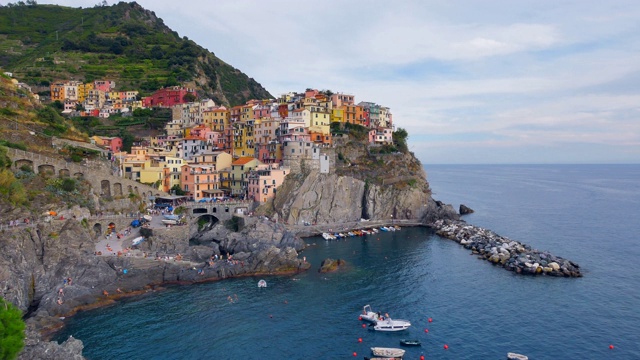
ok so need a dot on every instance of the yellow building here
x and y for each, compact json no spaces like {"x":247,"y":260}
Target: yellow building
{"x":337,"y":115}
{"x":83,"y":91}
{"x":239,"y":171}
{"x":217,"y":119}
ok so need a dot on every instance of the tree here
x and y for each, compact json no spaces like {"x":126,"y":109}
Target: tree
{"x":400,"y":139}
{"x":189,"y":97}
{"x":177,"y":190}
{"x":11,"y":331}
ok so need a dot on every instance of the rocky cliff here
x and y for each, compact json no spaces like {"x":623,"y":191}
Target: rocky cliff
{"x":363,"y":186}
{"x":36,"y":264}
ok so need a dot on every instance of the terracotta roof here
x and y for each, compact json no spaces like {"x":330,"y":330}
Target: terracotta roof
{"x":243,"y":160}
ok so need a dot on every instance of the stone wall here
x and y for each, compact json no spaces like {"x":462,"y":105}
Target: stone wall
{"x":104,"y":183}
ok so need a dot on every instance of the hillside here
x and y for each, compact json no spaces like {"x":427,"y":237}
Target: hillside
{"x":123,"y":42}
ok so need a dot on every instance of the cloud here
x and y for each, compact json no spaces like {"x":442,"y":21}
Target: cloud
{"x":490,"y":81}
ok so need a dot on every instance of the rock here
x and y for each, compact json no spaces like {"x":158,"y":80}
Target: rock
{"x":554,"y":265}
{"x":464,"y":210}
{"x":330,"y":265}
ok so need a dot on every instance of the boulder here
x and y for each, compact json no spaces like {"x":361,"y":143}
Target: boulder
{"x":554,"y":265}
{"x":330,"y":265}
{"x":464,"y":210}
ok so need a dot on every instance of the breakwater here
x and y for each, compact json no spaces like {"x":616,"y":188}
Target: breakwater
{"x":502,"y":251}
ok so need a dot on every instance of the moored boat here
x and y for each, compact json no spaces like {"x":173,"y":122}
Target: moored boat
{"x":262,"y":284}
{"x":387,"y":352}
{"x":171,"y":217}
{"x":389,"y":324}
{"x":410,"y":342}
{"x":368,"y":315}
{"x":137,"y":240}
{"x":169,"y":222}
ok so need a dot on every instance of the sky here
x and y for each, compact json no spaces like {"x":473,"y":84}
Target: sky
{"x":472,"y":82}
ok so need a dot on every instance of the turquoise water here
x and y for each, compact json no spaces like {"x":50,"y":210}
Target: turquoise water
{"x":586,"y":213}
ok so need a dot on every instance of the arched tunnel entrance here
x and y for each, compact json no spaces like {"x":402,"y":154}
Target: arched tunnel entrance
{"x":205,"y":223}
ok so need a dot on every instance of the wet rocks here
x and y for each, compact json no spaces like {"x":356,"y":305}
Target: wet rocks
{"x":330,"y":265}
{"x":464,"y":210}
{"x":511,"y":255}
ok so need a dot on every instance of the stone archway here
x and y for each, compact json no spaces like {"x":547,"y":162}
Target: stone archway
{"x":64,"y":173}
{"x":97,"y":230}
{"x":117,"y":189}
{"x":105,"y":188}
{"x":46,"y":170}
{"x":24,"y":164}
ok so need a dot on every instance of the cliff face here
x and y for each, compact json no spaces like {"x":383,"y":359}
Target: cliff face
{"x":35,"y":261}
{"x":391,"y":187}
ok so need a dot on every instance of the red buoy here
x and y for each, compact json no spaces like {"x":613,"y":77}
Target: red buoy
{"x":360,"y":318}
{"x":426,"y":330}
{"x":355,"y":354}
{"x":421,"y":357}
{"x":359,"y":339}
{"x":430,"y":320}
{"x":446,"y":346}
{"x":364,"y":325}
{"x":611,"y":347}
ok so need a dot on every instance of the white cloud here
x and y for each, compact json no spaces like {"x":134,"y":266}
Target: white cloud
{"x":490,"y":81}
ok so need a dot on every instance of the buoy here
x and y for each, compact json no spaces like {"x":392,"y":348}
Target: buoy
{"x":360,"y":318}
{"x":426,"y":330}
{"x":446,"y":346}
{"x":364,"y":326}
{"x":421,"y":357}
{"x":611,"y":347}
{"x":359,"y":339}
{"x":430,"y":320}
{"x":355,"y":354}
{"x":271,"y":316}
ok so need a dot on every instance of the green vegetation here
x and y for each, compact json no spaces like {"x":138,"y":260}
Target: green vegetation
{"x":11,"y":330}
{"x":177,"y":190}
{"x":124,"y":42}
{"x":19,"y":146}
{"x":400,"y":140}
{"x":10,"y":188}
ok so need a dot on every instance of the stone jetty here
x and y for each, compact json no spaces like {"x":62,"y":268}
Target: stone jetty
{"x":511,"y":255}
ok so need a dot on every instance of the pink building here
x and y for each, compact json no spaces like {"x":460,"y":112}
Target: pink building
{"x":381,"y":136}
{"x":104,"y":85}
{"x":263,"y":182}
{"x":205,"y":133}
{"x":168,"y":97}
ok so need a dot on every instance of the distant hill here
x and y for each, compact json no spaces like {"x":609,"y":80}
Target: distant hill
{"x":123,"y":42}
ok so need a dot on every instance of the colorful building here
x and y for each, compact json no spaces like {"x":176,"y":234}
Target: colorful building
{"x":168,"y":97}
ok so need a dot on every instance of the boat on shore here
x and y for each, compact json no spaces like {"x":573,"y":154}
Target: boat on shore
{"x":171,"y":217}
{"x":147,"y":217}
{"x":387,"y":352}
{"x":137,"y":240}
{"x":169,"y":222}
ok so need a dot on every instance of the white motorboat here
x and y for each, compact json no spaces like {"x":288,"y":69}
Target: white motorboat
{"x":262,"y":284}
{"x":147,"y":217}
{"x":328,"y":236}
{"x":171,"y":216}
{"x":169,"y":222}
{"x":387,"y":352}
{"x":368,"y":314}
{"x":389,"y":324}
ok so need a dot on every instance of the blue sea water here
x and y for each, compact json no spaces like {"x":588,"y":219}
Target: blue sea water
{"x":586,"y":213}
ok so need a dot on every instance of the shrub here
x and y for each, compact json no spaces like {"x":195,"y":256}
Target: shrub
{"x":11,"y":330}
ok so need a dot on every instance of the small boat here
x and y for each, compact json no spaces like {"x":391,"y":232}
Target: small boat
{"x":397,"y":227}
{"x":375,"y":230}
{"x":368,"y":314}
{"x":387,"y":352}
{"x":389,"y":324}
{"x":410,"y":342}
{"x":262,"y":284}
{"x":169,"y":222}
{"x":147,"y":217}
{"x":384,"y":228}
{"x":137,"y":240}
{"x":327,"y":236}
{"x":382,"y":358}
{"x":171,"y":217}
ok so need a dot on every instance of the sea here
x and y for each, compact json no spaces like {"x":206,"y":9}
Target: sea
{"x":589,"y":214}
